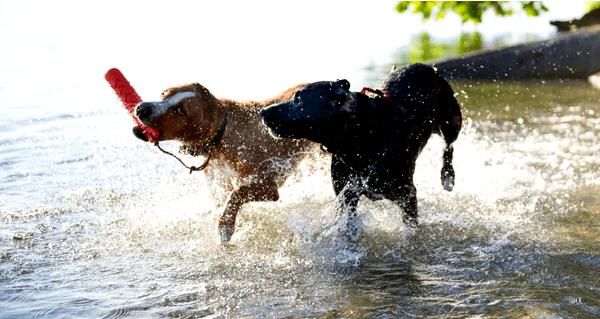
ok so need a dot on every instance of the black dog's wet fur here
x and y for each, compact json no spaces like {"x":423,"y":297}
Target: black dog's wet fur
{"x":375,"y":141}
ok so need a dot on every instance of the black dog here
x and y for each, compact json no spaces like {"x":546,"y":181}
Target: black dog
{"x":375,"y":141}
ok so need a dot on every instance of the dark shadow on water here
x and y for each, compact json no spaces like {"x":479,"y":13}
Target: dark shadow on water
{"x":384,"y":287}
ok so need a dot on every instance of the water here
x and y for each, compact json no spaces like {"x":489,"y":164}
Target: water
{"x":94,"y":223}
{"x":97,"y":224}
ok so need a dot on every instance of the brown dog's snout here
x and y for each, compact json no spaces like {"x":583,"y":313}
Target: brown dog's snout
{"x":144,"y":111}
{"x":139,"y":133}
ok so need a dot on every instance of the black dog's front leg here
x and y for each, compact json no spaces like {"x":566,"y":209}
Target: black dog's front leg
{"x":347,"y":201}
{"x":347,"y":189}
{"x":407,"y":200}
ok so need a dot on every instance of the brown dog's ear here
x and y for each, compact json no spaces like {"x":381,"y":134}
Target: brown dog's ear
{"x":201,"y":90}
{"x":344,"y":84}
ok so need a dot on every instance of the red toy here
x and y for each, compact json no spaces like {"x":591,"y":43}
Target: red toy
{"x":130,"y":99}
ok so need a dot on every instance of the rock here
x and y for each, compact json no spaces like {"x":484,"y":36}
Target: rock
{"x":574,"y":55}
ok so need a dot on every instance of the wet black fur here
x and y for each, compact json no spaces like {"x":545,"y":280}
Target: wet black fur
{"x":375,"y":141}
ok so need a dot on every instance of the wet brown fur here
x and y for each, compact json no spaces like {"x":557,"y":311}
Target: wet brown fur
{"x":246,"y":146}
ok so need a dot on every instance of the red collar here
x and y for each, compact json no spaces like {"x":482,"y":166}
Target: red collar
{"x":380,"y":93}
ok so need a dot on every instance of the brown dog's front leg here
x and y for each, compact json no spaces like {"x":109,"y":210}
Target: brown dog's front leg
{"x":262,"y":191}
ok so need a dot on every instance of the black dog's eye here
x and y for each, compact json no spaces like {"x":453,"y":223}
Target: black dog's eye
{"x":179,"y":110}
{"x":339,"y":100}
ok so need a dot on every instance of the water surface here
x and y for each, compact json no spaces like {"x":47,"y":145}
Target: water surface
{"x":98,"y":224}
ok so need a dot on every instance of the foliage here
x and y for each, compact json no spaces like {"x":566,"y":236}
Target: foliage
{"x":469,"y":10}
{"x":591,"y":5}
{"x":423,"y":48}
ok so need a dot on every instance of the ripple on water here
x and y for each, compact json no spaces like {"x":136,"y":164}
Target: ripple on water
{"x":119,"y":313}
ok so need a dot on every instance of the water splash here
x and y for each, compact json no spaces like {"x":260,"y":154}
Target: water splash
{"x":127,"y":232}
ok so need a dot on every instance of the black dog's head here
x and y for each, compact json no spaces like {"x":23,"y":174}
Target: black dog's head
{"x":316,"y":112}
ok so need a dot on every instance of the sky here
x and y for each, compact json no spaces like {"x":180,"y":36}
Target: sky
{"x":238,"y":49}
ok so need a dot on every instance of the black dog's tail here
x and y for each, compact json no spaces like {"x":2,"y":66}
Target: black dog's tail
{"x":421,"y":86}
{"x":449,"y":120}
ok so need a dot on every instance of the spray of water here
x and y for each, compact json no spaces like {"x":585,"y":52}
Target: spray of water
{"x":126,"y":214}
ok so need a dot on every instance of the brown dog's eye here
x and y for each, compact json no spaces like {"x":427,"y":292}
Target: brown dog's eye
{"x":179,"y":110}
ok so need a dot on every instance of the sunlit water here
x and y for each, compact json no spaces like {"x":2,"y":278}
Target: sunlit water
{"x":94,"y":223}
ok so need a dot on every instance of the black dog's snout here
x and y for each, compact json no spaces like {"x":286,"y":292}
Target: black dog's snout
{"x":273,"y":112}
{"x":268,"y":115}
{"x":143,"y":111}
{"x":264,"y":112}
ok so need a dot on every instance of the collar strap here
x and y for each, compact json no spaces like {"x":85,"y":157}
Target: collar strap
{"x":194,"y":151}
{"x":191,"y":168}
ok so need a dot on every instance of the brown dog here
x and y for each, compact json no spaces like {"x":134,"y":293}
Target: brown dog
{"x":231,"y":134}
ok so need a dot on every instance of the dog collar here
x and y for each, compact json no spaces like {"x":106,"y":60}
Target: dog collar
{"x":218,"y":137}
{"x":194,"y":150}
{"x":380,"y":93}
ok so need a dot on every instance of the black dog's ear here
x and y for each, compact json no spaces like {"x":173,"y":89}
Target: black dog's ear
{"x":344,"y":84}
{"x":343,"y":99}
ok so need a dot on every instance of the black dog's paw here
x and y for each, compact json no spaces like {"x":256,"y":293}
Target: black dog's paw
{"x":448,"y":178}
{"x":139,"y":134}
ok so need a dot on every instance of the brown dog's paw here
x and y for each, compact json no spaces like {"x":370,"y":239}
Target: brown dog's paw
{"x":225,"y":233}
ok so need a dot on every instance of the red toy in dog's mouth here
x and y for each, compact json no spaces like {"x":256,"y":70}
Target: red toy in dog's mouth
{"x":130,"y":100}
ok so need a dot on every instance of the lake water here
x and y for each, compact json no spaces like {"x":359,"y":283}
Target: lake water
{"x":94,"y":223}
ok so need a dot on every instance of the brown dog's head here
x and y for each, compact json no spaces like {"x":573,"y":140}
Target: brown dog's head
{"x":185,"y":113}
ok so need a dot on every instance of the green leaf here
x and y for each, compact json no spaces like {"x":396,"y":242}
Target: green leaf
{"x":470,"y":11}
{"x":591,"y":5}
{"x":402,"y":6}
